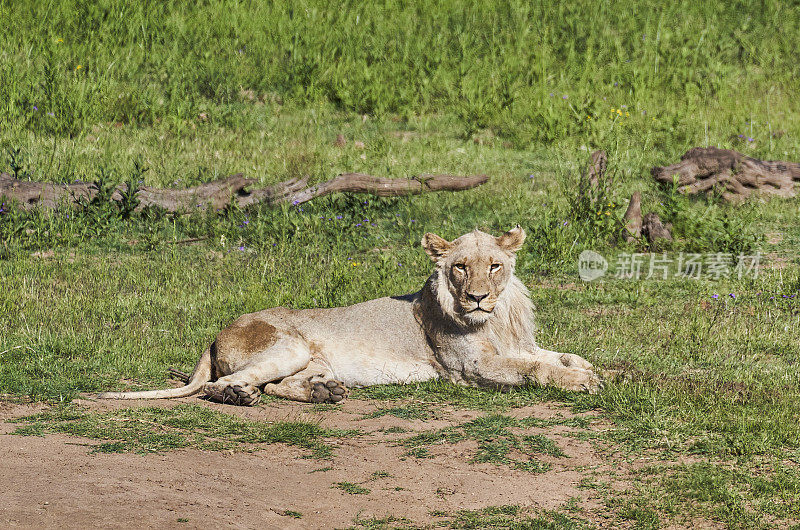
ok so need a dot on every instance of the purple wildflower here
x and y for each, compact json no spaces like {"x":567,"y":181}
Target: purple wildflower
{"x":338,"y":216}
{"x":358,"y":224}
{"x":732,"y":296}
{"x":295,"y":202}
{"x":564,"y":96}
{"x":35,"y":107}
{"x":714,"y":296}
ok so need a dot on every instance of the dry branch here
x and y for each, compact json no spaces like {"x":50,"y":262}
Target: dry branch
{"x":737,"y":176}
{"x":220,"y":193}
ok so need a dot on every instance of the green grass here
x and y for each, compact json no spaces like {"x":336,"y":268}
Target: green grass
{"x":151,"y":429}
{"x":351,"y":488}
{"x":749,"y":497}
{"x":490,"y":64}
{"x":511,"y":517}
{"x":194,"y":92}
{"x":495,"y":440}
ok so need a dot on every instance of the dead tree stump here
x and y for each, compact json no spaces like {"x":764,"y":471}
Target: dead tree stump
{"x":737,"y":176}
{"x":633,"y":219}
{"x":654,"y":230}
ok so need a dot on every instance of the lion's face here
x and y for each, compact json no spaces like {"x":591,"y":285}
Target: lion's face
{"x":476,"y":268}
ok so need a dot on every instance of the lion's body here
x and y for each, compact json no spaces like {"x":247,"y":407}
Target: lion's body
{"x":471,"y":323}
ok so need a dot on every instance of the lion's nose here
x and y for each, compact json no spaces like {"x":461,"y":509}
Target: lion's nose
{"x":477,"y":297}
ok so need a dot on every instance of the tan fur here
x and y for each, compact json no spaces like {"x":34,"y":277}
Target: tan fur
{"x":471,"y":323}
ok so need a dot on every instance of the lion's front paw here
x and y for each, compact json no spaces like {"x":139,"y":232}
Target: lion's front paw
{"x":236,"y":394}
{"x":572,"y":360}
{"x":579,"y":380}
{"x":594,"y":384}
{"x":329,"y":391}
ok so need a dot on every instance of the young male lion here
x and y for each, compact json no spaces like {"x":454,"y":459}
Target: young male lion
{"x":471,"y":323}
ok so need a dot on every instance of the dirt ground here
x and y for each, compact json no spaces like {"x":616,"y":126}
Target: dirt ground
{"x":54,"y":481}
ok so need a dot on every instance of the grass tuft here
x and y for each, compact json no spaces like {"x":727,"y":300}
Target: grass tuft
{"x":151,"y":430}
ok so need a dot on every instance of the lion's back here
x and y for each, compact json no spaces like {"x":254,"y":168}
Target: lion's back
{"x":377,"y":341}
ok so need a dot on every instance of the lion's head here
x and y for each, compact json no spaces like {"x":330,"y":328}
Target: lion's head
{"x":474,"y":277}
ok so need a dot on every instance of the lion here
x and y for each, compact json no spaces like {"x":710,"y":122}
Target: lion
{"x":472,"y":324}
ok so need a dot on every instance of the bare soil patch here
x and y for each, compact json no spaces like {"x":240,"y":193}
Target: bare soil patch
{"x":56,"y":481}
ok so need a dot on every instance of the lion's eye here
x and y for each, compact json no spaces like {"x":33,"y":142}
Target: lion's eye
{"x":495,"y":267}
{"x":460,"y":267}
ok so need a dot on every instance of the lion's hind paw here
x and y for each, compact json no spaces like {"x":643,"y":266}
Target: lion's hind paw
{"x":329,"y":391}
{"x":236,"y":394}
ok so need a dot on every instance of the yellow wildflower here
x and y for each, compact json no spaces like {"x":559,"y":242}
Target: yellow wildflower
{"x":59,"y":41}
{"x":78,"y":67}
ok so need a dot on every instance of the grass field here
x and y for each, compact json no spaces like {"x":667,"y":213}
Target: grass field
{"x":95,"y":299}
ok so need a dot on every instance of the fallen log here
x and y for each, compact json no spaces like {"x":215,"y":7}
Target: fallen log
{"x":234,"y":189}
{"x":386,"y":187}
{"x":735,"y":175}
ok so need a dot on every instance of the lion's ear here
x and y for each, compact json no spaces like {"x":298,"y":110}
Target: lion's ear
{"x":436,"y":247}
{"x":512,"y":240}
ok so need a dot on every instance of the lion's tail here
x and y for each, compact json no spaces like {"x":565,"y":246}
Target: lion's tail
{"x":200,"y":376}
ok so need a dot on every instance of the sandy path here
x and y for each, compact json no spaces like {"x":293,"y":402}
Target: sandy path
{"x":54,"y":481}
